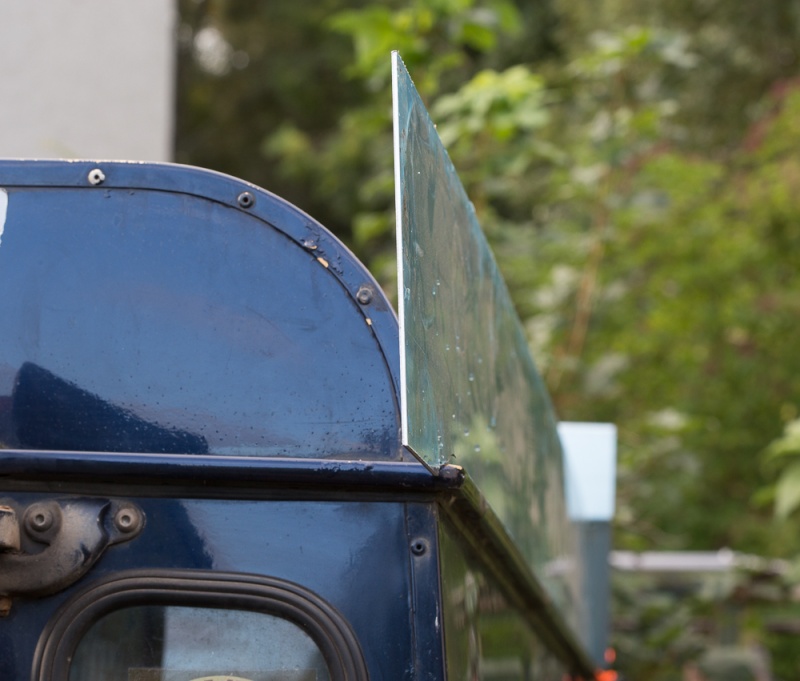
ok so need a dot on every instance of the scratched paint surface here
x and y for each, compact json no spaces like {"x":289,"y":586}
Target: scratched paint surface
{"x":472,"y":395}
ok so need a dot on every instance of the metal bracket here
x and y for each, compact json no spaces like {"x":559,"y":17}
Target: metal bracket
{"x":51,"y":544}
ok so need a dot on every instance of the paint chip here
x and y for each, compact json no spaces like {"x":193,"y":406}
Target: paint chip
{"x":369,"y":321}
{"x":323,"y":262}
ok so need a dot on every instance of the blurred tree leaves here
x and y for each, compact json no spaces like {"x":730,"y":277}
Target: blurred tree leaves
{"x":635,"y":168}
{"x":666,"y":621}
{"x":783,"y":454}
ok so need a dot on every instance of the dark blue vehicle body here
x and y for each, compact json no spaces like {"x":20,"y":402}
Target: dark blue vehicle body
{"x":199,"y":412}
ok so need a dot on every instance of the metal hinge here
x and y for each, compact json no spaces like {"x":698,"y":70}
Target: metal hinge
{"x":50,"y":544}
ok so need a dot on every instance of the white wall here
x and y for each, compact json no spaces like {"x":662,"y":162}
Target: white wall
{"x":87,"y":79}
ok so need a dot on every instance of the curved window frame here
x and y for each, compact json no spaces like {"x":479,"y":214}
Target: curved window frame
{"x":198,"y":589}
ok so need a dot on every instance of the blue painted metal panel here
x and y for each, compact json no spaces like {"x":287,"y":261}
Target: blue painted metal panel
{"x":154,"y":313}
{"x":159,"y":311}
{"x":342,"y":551}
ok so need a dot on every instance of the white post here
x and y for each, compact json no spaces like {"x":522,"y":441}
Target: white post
{"x":89,"y":79}
{"x":590,"y":460}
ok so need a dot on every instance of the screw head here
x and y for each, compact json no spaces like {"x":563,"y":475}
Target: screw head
{"x":364,"y":295}
{"x":96,"y":177}
{"x":246,"y":199}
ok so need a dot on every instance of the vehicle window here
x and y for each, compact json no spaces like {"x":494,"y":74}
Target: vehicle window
{"x":171,"y":643}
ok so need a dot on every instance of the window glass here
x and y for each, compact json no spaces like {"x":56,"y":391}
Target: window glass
{"x":169,"y":643}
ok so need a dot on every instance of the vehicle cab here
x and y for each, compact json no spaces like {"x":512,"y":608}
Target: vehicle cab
{"x":211,"y":467}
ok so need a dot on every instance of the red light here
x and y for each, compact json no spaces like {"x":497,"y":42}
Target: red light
{"x":605,"y":675}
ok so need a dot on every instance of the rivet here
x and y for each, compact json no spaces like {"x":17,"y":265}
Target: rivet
{"x":364,"y":295}
{"x":96,"y":177}
{"x":418,"y":547}
{"x":127,"y":520}
{"x":40,"y":520}
{"x":246,"y":199}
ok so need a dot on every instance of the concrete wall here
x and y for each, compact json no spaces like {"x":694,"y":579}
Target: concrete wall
{"x":87,"y":79}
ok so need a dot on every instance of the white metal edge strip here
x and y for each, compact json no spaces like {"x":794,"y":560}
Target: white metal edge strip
{"x":398,"y":207}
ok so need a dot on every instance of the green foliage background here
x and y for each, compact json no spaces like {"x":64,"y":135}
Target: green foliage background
{"x":635,"y":167}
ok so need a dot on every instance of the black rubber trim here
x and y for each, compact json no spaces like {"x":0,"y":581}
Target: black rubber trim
{"x":198,"y":588}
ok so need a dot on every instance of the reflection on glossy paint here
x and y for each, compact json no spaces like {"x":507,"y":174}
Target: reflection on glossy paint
{"x":472,"y":395}
{"x":485,"y":638}
{"x":160,"y":322}
{"x":44,"y":408}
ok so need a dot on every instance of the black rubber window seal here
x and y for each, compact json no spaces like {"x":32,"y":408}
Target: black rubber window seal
{"x":198,"y":588}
